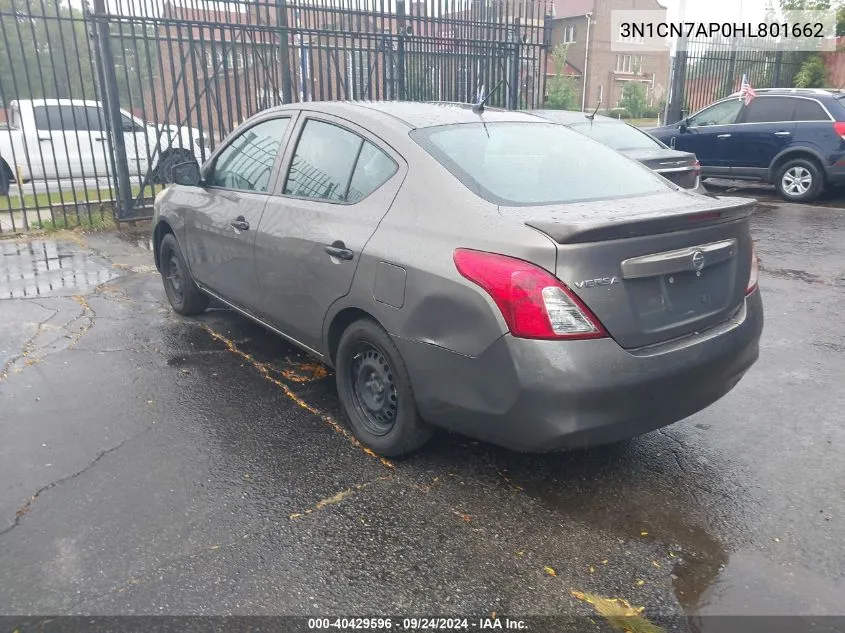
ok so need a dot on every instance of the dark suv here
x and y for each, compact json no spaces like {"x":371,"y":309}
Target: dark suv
{"x":793,"y":138}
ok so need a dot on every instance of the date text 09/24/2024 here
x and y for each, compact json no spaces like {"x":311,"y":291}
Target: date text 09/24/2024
{"x":416,"y":624}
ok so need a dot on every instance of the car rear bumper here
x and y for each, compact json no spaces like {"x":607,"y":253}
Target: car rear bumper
{"x":547,"y":395}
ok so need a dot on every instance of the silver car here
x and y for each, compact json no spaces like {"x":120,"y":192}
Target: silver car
{"x":488,"y":272}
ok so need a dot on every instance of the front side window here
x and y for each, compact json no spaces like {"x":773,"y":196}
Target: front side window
{"x":722,"y":113}
{"x":511,"y":163}
{"x":769,"y":110}
{"x":247,"y":163}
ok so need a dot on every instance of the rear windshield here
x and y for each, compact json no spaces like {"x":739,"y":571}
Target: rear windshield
{"x":511,"y":163}
{"x":617,"y":135}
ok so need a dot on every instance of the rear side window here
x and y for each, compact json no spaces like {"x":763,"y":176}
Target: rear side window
{"x":516,"y":164}
{"x":619,"y":136}
{"x":372,"y":170}
{"x":807,"y":110}
{"x":58,"y":118}
{"x":769,"y":110}
{"x":247,"y":163}
{"x":69,"y":118}
{"x":334,"y":164}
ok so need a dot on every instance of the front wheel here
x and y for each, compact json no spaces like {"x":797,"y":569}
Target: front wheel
{"x":375,"y":391}
{"x":182,"y":292}
{"x":799,"y":180}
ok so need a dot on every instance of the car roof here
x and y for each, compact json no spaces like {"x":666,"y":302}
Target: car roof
{"x":413,"y":115}
{"x":571,"y":117}
{"x":793,"y":92}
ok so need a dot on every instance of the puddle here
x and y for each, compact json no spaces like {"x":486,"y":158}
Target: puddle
{"x":141,"y":239}
{"x":751,"y":585}
{"x":44,"y":267}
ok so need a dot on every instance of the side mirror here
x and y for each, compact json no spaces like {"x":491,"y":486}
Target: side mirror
{"x":683,"y":125}
{"x":187,"y":173}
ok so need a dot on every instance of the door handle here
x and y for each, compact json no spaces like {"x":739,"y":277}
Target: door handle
{"x":782,"y":133}
{"x":723,"y":136}
{"x":45,"y":139}
{"x":338,"y":249}
{"x":99,"y":138}
{"x":240,"y":224}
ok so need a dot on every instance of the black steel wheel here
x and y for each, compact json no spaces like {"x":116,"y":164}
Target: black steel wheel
{"x":375,"y":391}
{"x":182,"y":292}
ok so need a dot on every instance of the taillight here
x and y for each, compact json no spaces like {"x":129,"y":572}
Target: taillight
{"x":839,"y":128}
{"x":755,"y":271}
{"x":533,"y":302}
{"x":697,"y":168}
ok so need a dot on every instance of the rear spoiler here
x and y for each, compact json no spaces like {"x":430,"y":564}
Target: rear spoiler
{"x":663,"y":222}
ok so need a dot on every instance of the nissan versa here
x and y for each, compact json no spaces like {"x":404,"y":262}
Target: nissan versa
{"x":488,"y":272}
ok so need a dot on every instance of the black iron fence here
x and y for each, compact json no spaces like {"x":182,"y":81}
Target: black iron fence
{"x":706,"y":71}
{"x":98,"y":104}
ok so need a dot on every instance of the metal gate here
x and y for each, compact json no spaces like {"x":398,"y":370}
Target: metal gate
{"x":99,"y":104}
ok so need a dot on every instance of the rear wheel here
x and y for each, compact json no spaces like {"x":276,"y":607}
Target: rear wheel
{"x":799,"y":180}
{"x":5,"y":179}
{"x":182,"y":292}
{"x":375,"y":391}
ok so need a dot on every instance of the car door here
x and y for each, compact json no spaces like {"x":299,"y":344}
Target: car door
{"x":56,"y":139}
{"x":763,"y":129}
{"x":222,"y":218}
{"x":704,"y":134}
{"x":340,"y":182}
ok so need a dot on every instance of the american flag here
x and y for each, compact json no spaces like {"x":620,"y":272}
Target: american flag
{"x":746,"y":92}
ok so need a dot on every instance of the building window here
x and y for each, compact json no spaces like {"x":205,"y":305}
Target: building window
{"x":632,"y":39}
{"x":569,"y":34}
{"x":629,"y":64}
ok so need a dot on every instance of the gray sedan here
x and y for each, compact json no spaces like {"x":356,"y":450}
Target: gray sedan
{"x":490,"y":272}
{"x":682,"y":168}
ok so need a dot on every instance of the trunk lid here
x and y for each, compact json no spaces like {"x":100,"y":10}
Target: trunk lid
{"x":652,"y":268}
{"x":679,"y":167}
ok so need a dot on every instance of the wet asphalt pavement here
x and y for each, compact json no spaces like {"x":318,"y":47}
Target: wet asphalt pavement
{"x":152,"y":464}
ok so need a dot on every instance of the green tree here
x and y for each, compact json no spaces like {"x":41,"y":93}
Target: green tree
{"x":634,"y":98}
{"x":561,"y":90}
{"x":812,"y":73}
{"x":420,"y":77}
{"x":44,"y":51}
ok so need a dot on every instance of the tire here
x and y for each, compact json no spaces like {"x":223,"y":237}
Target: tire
{"x":164,"y":171}
{"x":375,"y":391}
{"x":5,"y":180}
{"x":799,"y":180}
{"x":182,"y":292}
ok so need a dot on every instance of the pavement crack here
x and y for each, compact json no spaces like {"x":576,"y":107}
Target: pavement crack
{"x":25,"y":508}
{"x":267,"y":372}
{"x":29,"y":345}
{"x":338,"y":497}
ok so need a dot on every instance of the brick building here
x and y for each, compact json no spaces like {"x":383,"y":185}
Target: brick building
{"x":601,"y":72}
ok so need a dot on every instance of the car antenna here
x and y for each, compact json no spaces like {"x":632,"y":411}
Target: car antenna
{"x":481,"y":99}
{"x":593,"y":115}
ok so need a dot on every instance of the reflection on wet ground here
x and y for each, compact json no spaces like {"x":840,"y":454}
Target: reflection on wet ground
{"x":44,"y":267}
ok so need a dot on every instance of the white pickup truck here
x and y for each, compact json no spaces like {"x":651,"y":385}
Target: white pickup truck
{"x":50,"y":139}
